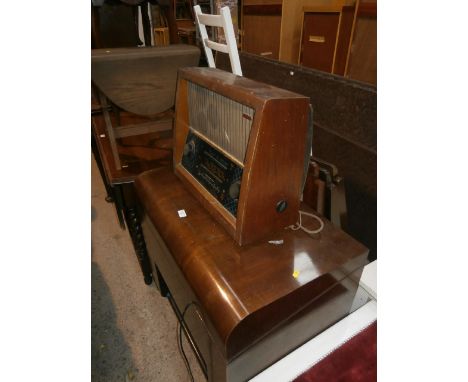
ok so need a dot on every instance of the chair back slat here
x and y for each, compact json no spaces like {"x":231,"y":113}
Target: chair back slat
{"x":221,"y":21}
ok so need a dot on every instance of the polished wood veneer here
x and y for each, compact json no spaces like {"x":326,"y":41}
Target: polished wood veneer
{"x":275,"y":151}
{"x":247,"y":306}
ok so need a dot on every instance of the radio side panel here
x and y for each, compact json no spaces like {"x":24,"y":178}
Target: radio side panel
{"x":273,"y":170}
{"x":181,"y":124}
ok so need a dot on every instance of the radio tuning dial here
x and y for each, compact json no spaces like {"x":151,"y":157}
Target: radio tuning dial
{"x":234,"y":190}
{"x":189,"y":148}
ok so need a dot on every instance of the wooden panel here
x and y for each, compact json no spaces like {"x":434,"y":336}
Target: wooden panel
{"x":267,"y":9}
{"x":319,"y":40}
{"x":208,"y":201}
{"x":256,"y":41}
{"x":274,"y":169}
{"x":143,"y":128}
{"x":312,"y":320}
{"x":182,"y":294}
{"x":161,"y":36}
{"x":367,"y":9}
{"x":184,"y":23}
{"x":344,"y":39}
{"x":138,"y":153}
{"x":363,"y":57}
{"x":115,"y":25}
{"x":290,"y":40}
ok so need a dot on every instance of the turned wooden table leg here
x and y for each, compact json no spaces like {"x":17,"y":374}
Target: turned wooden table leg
{"x":139,"y":244}
{"x":136,"y":233}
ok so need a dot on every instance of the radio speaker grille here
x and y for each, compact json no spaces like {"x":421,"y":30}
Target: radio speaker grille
{"x":222,"y":121}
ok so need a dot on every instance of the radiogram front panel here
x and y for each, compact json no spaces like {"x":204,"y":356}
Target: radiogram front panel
{"x":225,"y":123}
{"x":216,"y":172}
{"x":214,"y":151}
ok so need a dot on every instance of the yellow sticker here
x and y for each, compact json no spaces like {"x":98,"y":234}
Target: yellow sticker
{"x":296,"y":274}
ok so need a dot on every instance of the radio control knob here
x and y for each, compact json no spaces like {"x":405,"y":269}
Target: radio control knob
{"x":281,"y":205}
{"x":234,"y":190}
{"x":189,"y":148}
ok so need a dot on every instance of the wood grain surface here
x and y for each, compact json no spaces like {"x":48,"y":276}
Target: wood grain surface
{"x":141,"y":80}
{"x":274,"y":160}
{"x":319,"y":55}
{"x":363,"y":58}
{"x":137,"y":153}
{"x":255,"y":40}
{"x":254,"y":300}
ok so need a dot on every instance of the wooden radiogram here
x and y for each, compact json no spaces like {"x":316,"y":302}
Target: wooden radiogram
{"x":242,"y":307}
{"x":241,"y":148}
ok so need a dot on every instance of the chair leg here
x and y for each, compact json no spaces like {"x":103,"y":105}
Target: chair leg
{"x":110,"y":131}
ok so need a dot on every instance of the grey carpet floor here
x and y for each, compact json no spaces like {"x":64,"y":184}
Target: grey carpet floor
{"x":133,"y":328}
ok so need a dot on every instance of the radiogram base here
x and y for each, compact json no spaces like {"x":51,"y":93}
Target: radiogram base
{"x":245,"y":307}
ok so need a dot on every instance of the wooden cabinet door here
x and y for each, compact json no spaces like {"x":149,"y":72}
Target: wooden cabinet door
{"x":319,"y":35}
{"x":262,"y":35}
{"x":261,"y":26}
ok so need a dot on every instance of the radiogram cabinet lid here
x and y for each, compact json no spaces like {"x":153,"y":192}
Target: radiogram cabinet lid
{"x":236,"y":283}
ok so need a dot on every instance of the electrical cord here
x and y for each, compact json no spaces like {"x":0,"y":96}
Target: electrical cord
{"x":180,"y":344}
{"x":182,"y":352}
{"x":299,"y":225}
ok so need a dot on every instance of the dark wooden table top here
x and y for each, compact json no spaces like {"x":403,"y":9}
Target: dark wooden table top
{"x":141,"y":80}
{"x":255,"y":286}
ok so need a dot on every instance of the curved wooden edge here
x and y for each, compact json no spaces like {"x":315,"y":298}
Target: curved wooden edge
{"x":217,"y":299}
{"x":242,"y":288}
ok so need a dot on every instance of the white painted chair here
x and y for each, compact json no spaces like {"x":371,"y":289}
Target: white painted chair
{"x":222,"y":21}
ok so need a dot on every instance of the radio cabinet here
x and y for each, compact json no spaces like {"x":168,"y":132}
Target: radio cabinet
{"x":241,"y":148}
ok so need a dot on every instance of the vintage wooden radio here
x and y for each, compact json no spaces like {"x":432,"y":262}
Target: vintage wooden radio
{"x":242,"y":147}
